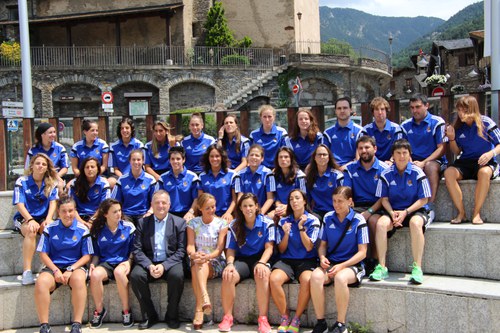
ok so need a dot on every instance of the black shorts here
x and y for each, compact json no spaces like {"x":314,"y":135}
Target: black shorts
{"x":62,"y":269}
{"x":293,"y":268}
{"x":20,"y":220}
{"x":422,"y":212}
{"x":359,"y":272}
{"x":245,"y":266}
{"x":364,"y":207}
{"x":469,"y":168}
{"x":109,"y":268}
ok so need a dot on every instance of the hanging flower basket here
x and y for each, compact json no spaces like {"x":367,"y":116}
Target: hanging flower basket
{"x":436,"y":79}
{"x":457,"y":89}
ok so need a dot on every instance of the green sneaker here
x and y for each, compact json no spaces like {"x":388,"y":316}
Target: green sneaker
{"x":417,"y":276}
{"x":380,"y":273}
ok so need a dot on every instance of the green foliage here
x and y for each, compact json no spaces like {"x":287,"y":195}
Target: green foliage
{"x":218,"y":32}
{"x":210,"y":122}
{"x":235,"y":59}
{"x":11,"y":51}
{"x":358,"y":328}
{"x":337,"y":47}
{"x":284,"y":89}
{"x":188,"y":111}
{"x":244,"y":43}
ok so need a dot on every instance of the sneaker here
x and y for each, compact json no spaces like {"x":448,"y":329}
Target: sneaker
{"x":264,"y":326}
{"x":226,"y":324}
{"x":320,"y":327}
{"x":380,"y":273}
{"x":338,"y":328}
{"x":45,"y":328}
{"x":96,"y":322}
{"x":294,"y":326}
{"x":284,"y":322}
{"x":76,"y":328}
{"x":127,"y":319}
{"x":27,"y":278}
{"x":417,"y":276}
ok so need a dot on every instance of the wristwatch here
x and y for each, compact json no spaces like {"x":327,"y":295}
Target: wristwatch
{"x":70,"y":269}
{"x":302,"y":229}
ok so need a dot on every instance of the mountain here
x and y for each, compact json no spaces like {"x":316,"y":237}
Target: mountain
{"x":361,"y":29}
{"x":410,"y":34}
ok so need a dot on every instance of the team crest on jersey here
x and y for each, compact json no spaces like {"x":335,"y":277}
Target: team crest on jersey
{"x":143,"y":186}
{"x":224,"y":181}
{"x":185,"y":183}
{"x":375,"y":177}
{"x":96,"y":191}
{"x":54,"y":154}
{"x":352,"y":135}
{"x":74,"y":238}
{"x":259,"y":234}
{"x":122,"y":236}
{"x":409,"y":182}
{"x":428,"y":129}
{"x":275,"y":139}
{"x":330,"y":184}
{"x":388,"y":137}
{"x":204,"y":146}
{"x":259,"y":181}
{"x":96,"y":151}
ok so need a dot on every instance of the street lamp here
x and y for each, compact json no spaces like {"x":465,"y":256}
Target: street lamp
{"x":299,"y":16}
{"x":390,"y":51}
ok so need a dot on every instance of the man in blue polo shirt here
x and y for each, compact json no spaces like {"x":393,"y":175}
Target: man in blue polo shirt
{"x":382,"y":129}
{"x":362,"y":176}
{"x":405,"y":191}
{"x":341,"y":137}
{"x":426,"y":134}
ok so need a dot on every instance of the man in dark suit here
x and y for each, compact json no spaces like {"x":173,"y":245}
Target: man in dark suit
{"x":159,"y":251}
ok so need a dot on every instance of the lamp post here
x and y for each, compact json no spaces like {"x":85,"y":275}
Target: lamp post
{"x":299,"y":16}
{"x":390,"y":52}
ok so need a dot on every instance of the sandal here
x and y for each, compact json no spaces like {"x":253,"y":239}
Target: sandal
{"x":198,"y":320}
{"x":458,"y":221}
{"x":207,"y":306}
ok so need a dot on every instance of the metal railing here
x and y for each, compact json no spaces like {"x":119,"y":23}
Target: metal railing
{"x":48,"y":57}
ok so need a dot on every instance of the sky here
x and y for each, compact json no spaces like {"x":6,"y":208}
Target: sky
{"x":444,"y":8}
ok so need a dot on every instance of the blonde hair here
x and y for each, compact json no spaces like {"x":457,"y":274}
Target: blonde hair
{"x":50,"y":176}
{"x":265,"y":107}
{"x":378,"y":101}
{"x":202,"y":200}
{"x":154,"y":142}
{"x":470,"y":108}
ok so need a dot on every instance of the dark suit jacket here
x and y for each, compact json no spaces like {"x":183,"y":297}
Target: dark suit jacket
{"x":175,"y":238}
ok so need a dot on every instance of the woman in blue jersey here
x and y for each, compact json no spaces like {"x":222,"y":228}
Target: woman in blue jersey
{"x":322,"y":177}
{"x":268,"y":135}
{"x":90,"y":145}
{"x":287,"y":176}
{"x":235,"y":144}
{"x":113,"y":239}
{"x":296,"y":236}
{"x":65,"y":248}
{"x":35,"y":198}
{"x":119,"y":150}
{"x":249,"y":248}
{"x":476,"y":138}
{"x":196,"y":143}
{"x":88,"y":190}
{"x":45,"y":142}
{"x":344,"y":239}
{"x":256,"y":179}
{"x":217,"y":180}
{"x":157,"y":158}
{"x":135,"y":189}
{"x":304,"y":137}
{"x":206,"y":235}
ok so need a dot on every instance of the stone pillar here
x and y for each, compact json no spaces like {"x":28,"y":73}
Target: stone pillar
{"x":291,"y":111}
{"x":164,"y":100}
{"x":47,"y":105}
{"x":366,"y":113}
{"x":77,"y":129}
{"x":319,"y":113}
{"x":103,"y":122}
{"x":245,"y":122}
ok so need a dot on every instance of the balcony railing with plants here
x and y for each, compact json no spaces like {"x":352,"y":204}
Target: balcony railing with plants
{"x":73,"y":57}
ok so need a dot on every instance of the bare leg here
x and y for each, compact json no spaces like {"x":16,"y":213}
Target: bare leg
{"x":277,"y":279}
{"x":452,"y":176}
{"x":432,"y":170}
{"x":318,"y":280}
{"x":29,"y":246}
{"x":78,"y":285}
{"x":228,"y":293}
{"x":342,"y":280}
{"x":372,"y":228}
{"x":482,"y":187}
{"x":384,"y":224}
{"x":262,"y":285}
{"x":96,"y":287}
{"x":122,"y":285}
{"x":417,"y":239}
{"x":43,"y":286}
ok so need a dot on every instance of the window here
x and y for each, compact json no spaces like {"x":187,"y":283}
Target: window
{"x":13,"y":13}
{"x":409,"y":83}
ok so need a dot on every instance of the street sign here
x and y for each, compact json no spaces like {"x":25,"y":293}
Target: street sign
{"x":12,"y":104}
{"x":12,"y":113}
{"x":295,"y":89}
{"x":107,"y":97}
{"x":12,"y":125}
{"x":438,"y":91}
{"x":60,"y":126}
{"x":107,"y":106}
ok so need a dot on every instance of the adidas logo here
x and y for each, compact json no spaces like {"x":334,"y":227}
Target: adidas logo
{"x":119,"y":153}
{"x":169,"y":183}
{"x":259,"y":141}
{"x":83,"y":153}
{"x":28,"y":191}
{"x":279,"y":186}
{"x":332,"y":226}
{"x":315,"y":185}
{"x":410,"y":132}
{"x":462,"y":136}
{"x":355,"y":174}
{"x":207,"y":183}
{"x":393,"y":183}
{"x":297,"y":146}
{"x":103,"y":239}
{"x":246,"y":182}
{"x":334,"y":136}
{"x":127,"y":187}
{"x":189,"y":148}
{"x":55,"y":237}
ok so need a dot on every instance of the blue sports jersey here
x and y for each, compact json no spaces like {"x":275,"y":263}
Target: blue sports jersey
{"x":183,"y":189}
{"x":296,"y":249}
{"x":119,"y":154}
{"x":342,"y":141}
{"x":195,"y":148}
{"x":472,"y":145}
{"x":259,"y":183}
{"x":425,"y":137}
{"x":384,"y":138}
{"x":403,"y":190}
{"x":256,"y":238}
{"x":221,"y":187}
{"x":332,"y":230}
{"x":81,"y":151}
{"x":303,"y":148}
{"x":57,"y":153}
{"x":364,"y":182}
{"x":235,"y":157}
{"x":283,"y":189}
{"x":115,"y":248}
{"x":96,"y":194}
{"x":26,"y":191}
{"x":159,"y":162}
{"x":271,"y":142}
{"x":320,"y":195}
{"x":65,"y":245}
{"x":134,"y":194}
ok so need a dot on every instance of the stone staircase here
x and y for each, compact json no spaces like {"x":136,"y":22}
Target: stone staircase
{"x":460,"y":293}
{"x":242,"y":93}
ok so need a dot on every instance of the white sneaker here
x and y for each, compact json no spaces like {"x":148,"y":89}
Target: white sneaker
{"x":432,"y":216}
{"x":27,"y":278}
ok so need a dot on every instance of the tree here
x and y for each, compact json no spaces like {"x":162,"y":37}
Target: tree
{"x":218,"y":32}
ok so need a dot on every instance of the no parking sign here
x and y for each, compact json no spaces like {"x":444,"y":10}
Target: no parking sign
{"x":107,"y":101}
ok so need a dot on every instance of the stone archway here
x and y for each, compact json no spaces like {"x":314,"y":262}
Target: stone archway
{"x":76,"y":99}
{"x":317,"y":91}
{"x":191,"y":94}
{"x":135,"y":90}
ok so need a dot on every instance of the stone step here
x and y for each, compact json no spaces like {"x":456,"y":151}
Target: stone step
{"x":453,"y":250}
{"x":440,"y":304}
{"x":11,"y":246}
{"x":7,"y":210}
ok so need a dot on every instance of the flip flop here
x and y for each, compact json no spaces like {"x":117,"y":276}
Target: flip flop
{"x":478,"y":222}
{"x":457,"y":221}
